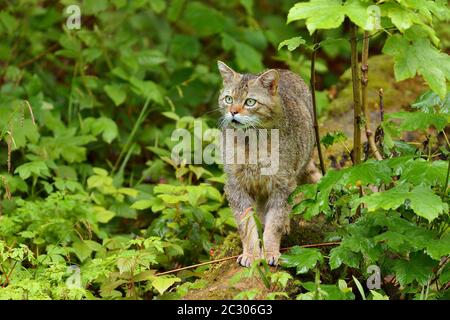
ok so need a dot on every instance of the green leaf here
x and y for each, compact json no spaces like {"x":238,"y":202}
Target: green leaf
{"x":205,"y":20}
{"x":292,"y":43}
{"x":319,"y":14}
{"x":360,"y":287}
{"x":419,"y":120}
{"x":378,"y":296}
{"x":103,"y":215}
{"x":369,"y":172}
{"x":343,"y":255}
{"x":248,"y":5}
{"x":426,"y":204}
{"x":429,"y":101}
{"x":148,"y":90}
{"x":37,"y":168}
{"x":420,"y":171}
{"x":303,"y":259}
{"x":158,"y":5}
{"x":142,"y":204}
{"x":116,"y":93}
{"x":8,"y":21}
{"x":402,"y":17}
{"x":330,"y":14}
{"x":419,"y":267}
{"x":413,"y":56}
{"x":247,"y":57}
{"x":333,"y":137}
{"x":92,"y":7}
{"x":325,"y":292}
{"x":421,"y":199}
{"x":106,"y":126}
{"x":163,"y":283}
{"x":438,"y":248}
{"x":82,"y":250}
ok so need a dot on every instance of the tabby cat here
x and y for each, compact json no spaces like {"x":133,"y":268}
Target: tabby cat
{"x":275,"y":99}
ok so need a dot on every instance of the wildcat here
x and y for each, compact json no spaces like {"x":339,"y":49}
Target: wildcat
{"x":275,"y":99}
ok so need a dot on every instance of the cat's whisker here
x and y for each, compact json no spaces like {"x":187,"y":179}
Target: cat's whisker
{"x":213,"y":110}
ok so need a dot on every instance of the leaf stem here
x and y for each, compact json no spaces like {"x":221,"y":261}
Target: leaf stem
{"x":137,"y":124}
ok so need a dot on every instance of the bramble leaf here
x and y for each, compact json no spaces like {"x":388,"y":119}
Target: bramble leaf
{"x":303,"y":259}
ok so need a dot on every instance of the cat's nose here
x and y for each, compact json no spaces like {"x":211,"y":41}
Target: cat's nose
{"x":233,"y":113}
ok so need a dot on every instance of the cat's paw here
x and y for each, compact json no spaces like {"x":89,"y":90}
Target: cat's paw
{"x":272,"y":258}
{"x":246,"y":259}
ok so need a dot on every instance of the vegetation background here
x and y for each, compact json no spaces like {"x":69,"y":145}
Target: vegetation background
{"x":93,"y":207}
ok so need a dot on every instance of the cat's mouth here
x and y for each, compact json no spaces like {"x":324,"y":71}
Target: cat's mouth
{"x":237,"y":124}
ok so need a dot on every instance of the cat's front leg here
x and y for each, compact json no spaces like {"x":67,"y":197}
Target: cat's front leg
{"x":242,"y":207}
{"x":249,"y":237}
{"x":276,"y":224}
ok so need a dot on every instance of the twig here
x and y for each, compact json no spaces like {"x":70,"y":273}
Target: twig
{"x":444,"y":189}
{"x":316,"y":245}
{"x":381,"y":95}
{"x":314,"y":103}
{"x":364,"y":83}
{"x":40,"y":55}
{"x":356,"y":97}
{"x":7,"y":276}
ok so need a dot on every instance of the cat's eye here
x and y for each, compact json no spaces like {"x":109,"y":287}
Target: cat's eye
{"x":250,"y":102}
{"x":228,"y":99}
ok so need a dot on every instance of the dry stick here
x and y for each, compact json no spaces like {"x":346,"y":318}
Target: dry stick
{"x":316,"y":245}
{"x":364,"y":82}
{"x":356,"y":97}
{"x":313,"y":95}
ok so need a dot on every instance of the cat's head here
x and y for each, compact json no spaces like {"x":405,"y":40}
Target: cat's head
{"x":247,"y":100}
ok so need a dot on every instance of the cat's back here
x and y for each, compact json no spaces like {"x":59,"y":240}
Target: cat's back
{"x":296,"y":125}
{"x":294,"y":93}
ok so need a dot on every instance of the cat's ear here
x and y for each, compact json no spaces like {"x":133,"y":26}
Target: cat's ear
{"x":227,"y":73}
{"x":269,"y":80}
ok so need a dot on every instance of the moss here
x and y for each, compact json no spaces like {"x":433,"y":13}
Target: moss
{"x":397,"y":95}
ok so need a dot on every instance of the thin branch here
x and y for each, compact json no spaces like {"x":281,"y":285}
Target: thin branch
{"x":316,"y":245}
{"x":39,"y":56}
{"x":381,"y":95}
{"x":364,"y":83}
{"x":356,"y":96}
{"x":314,"y":103}
{"x":445,"y":187}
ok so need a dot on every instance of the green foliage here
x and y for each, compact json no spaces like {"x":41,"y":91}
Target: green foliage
{"x":414,"y":48}
{"x":414,"y":54}
{"x":92,"y":206}
{"x":303,"y":259}
{"x":403,"y":225}
{"x":399,"y":206}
